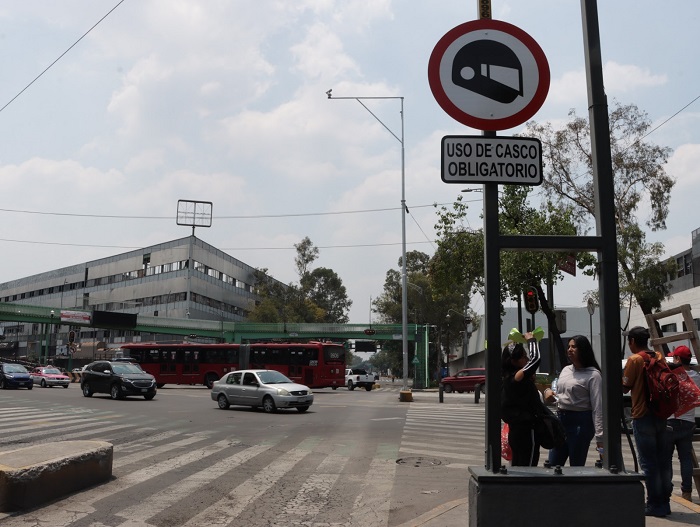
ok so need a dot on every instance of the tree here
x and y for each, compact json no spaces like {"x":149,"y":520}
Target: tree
{"x":324,"y":288}
{"x":306,"y":255}
{"x":458,"y":261}
{"x":320,"y":295}
{"x":425,"y":305}
{"x":641,"y":184}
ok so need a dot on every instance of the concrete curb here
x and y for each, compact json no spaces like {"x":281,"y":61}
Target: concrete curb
{"x":37,"y":474}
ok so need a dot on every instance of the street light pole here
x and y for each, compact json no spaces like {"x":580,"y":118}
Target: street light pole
{"x":404,"y":295}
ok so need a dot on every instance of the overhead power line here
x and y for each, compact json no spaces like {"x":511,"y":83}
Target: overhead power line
{"x":60,"y":57}
{"x":291,"y":247}
{"x":234,"y":217}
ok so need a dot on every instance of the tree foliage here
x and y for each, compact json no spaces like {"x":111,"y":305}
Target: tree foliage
{"x":641,"y":185}
{"x":459,"y":261}
{"x":320,"y":295}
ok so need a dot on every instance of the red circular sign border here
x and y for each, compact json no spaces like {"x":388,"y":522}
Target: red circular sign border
{"x":476,"y":122}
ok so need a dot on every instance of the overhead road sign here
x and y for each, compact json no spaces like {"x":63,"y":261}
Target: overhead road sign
{"x":480,"y":159}
{"x":489,"y":75}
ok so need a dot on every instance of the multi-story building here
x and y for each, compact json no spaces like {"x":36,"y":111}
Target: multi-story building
{"x":685,"y":289}
{"x":183,"y":278}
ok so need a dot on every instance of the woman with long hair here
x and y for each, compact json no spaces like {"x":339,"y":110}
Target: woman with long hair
{"x":520,"y":400}
{"x":579,"y":403}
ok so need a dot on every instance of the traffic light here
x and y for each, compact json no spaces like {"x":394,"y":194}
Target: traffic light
{"x":532,"y":305}
{"x":71,"y":337}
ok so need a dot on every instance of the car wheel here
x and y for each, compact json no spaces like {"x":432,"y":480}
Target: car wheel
{"x":209,"y":380}
{"x":2,"y":384}
{"x":269,"y":405}
{"x":448,"y":388}
{"x":351,"y":386}
{"x":302,"y":409}
{"x":87,"y":392}
{"x":334,"y":387}
{"x":368,"y":387}
{"x":30,"y":387}
{"x":65,"y":386}
{"x":149,"y":396}
{"x":160,"y":385}
{"x":43,"y":383}
{"x":222,"y":401}
{"x":115,"y":392}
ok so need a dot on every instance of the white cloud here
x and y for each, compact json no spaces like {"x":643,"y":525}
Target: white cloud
{"x":620,"y":79}
{"x":683,"y":166}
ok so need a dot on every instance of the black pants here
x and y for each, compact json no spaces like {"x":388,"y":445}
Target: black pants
{"x":526,"y":449}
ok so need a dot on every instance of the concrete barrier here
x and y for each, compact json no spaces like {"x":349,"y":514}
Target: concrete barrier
{"x":37,"y":474}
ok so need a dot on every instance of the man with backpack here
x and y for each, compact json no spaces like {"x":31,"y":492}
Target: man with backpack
{"x":651,"y":433}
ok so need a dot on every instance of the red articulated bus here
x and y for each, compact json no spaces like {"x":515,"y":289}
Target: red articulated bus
{"x":315,"y":364}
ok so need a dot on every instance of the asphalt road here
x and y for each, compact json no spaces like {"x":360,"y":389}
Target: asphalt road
{"x":355,"y":458}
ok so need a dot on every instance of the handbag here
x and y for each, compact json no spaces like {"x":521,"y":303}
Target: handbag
{"x":549,"y":430}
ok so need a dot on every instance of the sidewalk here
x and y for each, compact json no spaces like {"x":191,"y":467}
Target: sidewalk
{"x":456,"y":513}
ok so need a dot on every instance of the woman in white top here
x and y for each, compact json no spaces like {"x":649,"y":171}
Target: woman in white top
{"x":579,"y":404}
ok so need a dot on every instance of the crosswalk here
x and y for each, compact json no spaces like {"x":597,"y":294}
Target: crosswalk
{"x":170,"y":474}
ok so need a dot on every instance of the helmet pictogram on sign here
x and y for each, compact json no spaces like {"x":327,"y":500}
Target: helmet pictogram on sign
{"x":500,"y":77}
{"x":489,"y":75}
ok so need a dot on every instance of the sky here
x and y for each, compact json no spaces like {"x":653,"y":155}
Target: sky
{"x":225,"y":101}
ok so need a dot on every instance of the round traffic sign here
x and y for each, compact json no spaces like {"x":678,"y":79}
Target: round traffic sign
{"x":488,"y":74}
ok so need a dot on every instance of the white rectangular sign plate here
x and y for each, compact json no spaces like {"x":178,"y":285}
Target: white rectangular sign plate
{"x":503,"y":160}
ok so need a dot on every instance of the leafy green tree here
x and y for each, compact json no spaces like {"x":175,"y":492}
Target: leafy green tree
{"x":386,"y":360}
{"x":324,"y":288}
{"x":320,"y":295}
{"x":306,"y":255}
{"x":458,"y":260}
{"x":642,"y":191}
{"x":425,"y":305}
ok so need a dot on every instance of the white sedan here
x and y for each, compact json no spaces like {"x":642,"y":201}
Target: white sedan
{"x":48,"y":376}
{"x":268,"y":389}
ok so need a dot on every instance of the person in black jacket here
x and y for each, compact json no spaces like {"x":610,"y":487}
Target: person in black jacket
{"x":520,"y":400}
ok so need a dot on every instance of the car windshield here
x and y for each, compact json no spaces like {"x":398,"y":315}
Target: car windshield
{"x":15,"y":368}
{"x":127,"y":368}
{"x":52,"y":371}
{"x":272,"y":377}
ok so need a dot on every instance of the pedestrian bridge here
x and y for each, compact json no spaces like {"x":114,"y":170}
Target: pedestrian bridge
{"x":225,"y":331}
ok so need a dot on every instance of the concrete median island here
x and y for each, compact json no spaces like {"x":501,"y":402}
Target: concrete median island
{"x":37,"y":474}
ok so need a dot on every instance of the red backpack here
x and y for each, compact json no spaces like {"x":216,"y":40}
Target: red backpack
{"x":663,"y":386}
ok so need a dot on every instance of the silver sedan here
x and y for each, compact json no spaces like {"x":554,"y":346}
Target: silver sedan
{"x":266,"y":388}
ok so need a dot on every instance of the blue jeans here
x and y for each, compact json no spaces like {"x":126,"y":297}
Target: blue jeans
{"x":683,"y":441}
{"x":655,"y":451}
{"x":579,"y":434}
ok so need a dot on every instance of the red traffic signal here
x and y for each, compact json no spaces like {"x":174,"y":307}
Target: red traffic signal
{"x":370,"y":332}
{"x":71,"y":337}
{"x":532,"y":305}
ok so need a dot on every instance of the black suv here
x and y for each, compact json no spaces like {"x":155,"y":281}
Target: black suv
{"x":118,"y":379}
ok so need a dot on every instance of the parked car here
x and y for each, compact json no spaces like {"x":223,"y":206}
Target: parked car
{"x":268,"y":389}
{"x":465,"y":380}
{"x":14,"y":376}
{"x":118,"y":379}
{"x":48,"y":377}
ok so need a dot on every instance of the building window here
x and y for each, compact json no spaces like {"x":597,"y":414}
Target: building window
{"x":670,"y":328}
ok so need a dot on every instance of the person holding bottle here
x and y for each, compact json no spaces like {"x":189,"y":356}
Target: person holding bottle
{"x":520,"y":400}
{"x":578,"y":397}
